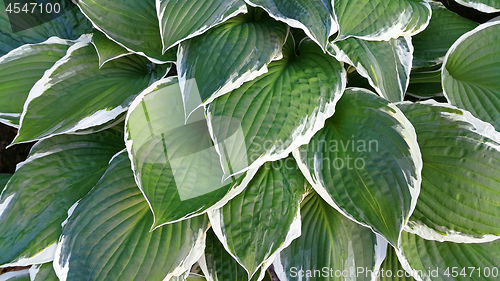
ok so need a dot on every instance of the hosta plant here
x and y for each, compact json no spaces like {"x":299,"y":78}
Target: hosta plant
{"x":228,"y":140}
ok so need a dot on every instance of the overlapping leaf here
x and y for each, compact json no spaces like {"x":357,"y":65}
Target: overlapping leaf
{"x":107,"y":50}
{"x":282,"y":109}
{"x":225,"y":57}
{"x":444,"y":29}
{"x":471,"y":73}
{"x":391,"y":269}
{"x":448,"y":261}
{"x":263,"y":219}
{"x":4,"y":178}
{"x":70,"y":25}
{"x":181,"y":20}
{"x":58,"y":172}
{"x":107,"y":236}
{"x":385,"y":64}
{"x":460,"y":191}
{"x":485,"y":6}
{"x":329,"y":240}
{"x":75,"y":94}
{"x":175,"y":163}
{"x":366,"y":163}
{"x":20,"y":69}
{"x":43,"y":272}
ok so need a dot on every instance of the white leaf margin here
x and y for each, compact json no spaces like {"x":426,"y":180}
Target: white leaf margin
{"x":478,"y":6}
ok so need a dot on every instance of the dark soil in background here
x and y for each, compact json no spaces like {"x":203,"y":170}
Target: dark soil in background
{"x":13,"y":155}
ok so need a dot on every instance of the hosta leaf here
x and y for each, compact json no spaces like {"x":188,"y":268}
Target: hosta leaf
{"x":448,"y":261}
{"x":175,"y":163}
{"x":485,"y":6}
{"x":459,"y":197}
{"x":58,"y":172}
{"x":249,"y":44}
{"x":391,"y":269}
{"x":282,"y":109}
{"x":21,"y":275}
{"x":70,"y":25}
{"x":381,"y":19}
{"x":385,"y":64}
{"x":444,"y":29}
{"x":20,"y":69}
{"x":366,"y":163}
{"x":181,"y":20}
{"x":329,"y":240}
{"x":43,"y":272}
{"x":132,"y":24}
{"x":263,"y":219}
{"x":4,"y":178}
{"x":471,"y":73}
{"x":107,"y":236}
{"x":315,"y":17}
{"x":75,"y":94}
{"x":107,"y":50}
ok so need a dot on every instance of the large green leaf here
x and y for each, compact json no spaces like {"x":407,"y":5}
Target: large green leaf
{"x":329,"y":241}
{"x":249,"y":42}
{"x":366,"y":163}
{"x":315,"y":17}
{"x":75,"y":94}
{"x":58,"y":172}
{"x":444,"y":29}
{"x":282,"y":109}
{"x":43,"y":272}
{"x":175,"y":163}
{"x":381,"y":19}
{"x":485,"y":6}
{"x":459,"y":197}
{"x":107,"y":50}
{"x":385,"y":64}
{"x":391,"y":269}
{"x":471,"y":73}
{"x":107,"y":235}
{"x":181,"y":20}
{"x":264,"y":219}
{"x":20,"y":69}
{"x":70,"y":25}
{"x":132,"y":24}
{"x":448,"y":261}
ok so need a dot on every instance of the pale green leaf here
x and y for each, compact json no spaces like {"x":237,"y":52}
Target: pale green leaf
{"x":263,"y":219}
{"x":75,"y":94}
{"x":20,"y":69}
{"x":228,"y":55}
{"x":391,"y":269}
{"x":280,"y":110}
{"x":485,"y":6}
{"x":58,"y":172}
{"x":366,"y":163}
{"x":107,"y":50}
{"x":107,"y":235}
{"x":385,"y":64}
{"x":43,"y":272}
{"x":459,"y":197}
{"x":329,"y":240}
{"x":471,"y":73}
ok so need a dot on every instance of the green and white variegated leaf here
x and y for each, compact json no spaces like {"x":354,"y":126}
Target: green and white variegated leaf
{"x":133,"y":24}
{"x":265,"y":218}
{"x":4,"y":178}
{"x":444,"y":29}
{"x":58,"y":172}
{"x":366,"y":163}
{"x":195,"y":277}
{"x":381,"y":20}
{"x":75,"y":94}
{"x":43,"y":272}
{"x":181,"y":20}
{"x":425,"y":82}
{"x":175,"y":163}
{"x":315,"y":17}
{"x":386,"y":64}
{"x":107,"y":50}
{"x":459,"y":197}
{"x":440,"y":261}
{"x":471,"y":73}
{"x":70,"y":26}
{"x":391,"y":269}
{"x":329,"y":240}
{"x":249,"y":44}
{"x":485,"y":6}
{"x":20,"y":69}
{"x":218,"y":265}
{"x":21,"y":275}
{"x":280,"y":110}
{"x":107,"y":235}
